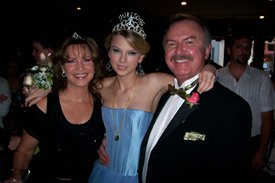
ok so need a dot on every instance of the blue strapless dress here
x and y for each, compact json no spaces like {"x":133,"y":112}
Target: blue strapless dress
{"x":123,"y":153}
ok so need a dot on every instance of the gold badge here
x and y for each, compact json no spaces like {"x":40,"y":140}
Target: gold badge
{"x":194,"y":136}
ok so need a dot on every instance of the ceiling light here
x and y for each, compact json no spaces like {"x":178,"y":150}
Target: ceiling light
{"x":183,"y":3}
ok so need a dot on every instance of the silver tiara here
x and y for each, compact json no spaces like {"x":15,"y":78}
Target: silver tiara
{"x":76,"y":36}
{"x":130,"y":21}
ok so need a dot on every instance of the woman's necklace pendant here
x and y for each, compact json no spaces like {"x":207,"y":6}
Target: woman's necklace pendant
{"x":116,"y":137}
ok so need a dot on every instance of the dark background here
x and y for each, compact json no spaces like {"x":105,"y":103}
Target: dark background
{"x":21,"y":20}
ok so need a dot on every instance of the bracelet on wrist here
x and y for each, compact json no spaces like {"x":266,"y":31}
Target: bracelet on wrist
{"x":19,"y":174}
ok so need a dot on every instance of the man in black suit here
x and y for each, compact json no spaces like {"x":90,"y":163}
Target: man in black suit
{"x":195,"y":137}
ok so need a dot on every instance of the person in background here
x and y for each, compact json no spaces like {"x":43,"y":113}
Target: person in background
{"x":5,"y":102}
{"x":5,"y":99}
{"x":130,"y":98}
{"x":14,"y":117}
{"x":42,"y":48}
{"x":256,"y":88}
{"x":195,"y":137}
{"x":67,"y":125}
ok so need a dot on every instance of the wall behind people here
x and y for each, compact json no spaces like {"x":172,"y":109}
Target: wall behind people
{"x":61,"y":16}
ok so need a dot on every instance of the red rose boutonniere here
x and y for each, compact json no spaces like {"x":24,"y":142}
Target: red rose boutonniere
{"x":192,"y":99}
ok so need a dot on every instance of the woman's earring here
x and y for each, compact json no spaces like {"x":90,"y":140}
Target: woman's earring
{"x":140,"y":70}
{"x":109,"y":66}
{"x":63,"y":74}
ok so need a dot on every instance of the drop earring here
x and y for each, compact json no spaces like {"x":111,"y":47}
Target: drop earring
{"x":140,"y":70}
{"x":63,"y":74}
{"x":109,"y":66}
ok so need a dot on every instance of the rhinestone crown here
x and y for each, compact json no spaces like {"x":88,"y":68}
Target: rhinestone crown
{"x":130,"y":21}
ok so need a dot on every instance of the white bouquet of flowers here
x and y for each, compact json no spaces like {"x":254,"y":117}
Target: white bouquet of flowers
{"x":40,"y":77}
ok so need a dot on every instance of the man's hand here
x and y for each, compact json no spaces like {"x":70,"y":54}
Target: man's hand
{"x":102,"y":154}
{"x":207,"y":78}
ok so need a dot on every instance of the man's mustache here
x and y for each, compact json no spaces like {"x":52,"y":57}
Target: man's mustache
{"x":181,"y":57}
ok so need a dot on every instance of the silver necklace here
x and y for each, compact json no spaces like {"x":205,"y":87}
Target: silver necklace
{"x":117,"y":131}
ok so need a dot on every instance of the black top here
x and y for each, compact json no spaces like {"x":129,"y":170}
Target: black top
{"x":66,"y":150}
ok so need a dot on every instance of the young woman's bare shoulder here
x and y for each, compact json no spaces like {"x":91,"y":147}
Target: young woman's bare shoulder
{"x":160,"y":77}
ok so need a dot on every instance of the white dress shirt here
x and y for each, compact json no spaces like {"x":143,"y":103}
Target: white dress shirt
{"x":167,"y":113}
{"x":256,"y":88}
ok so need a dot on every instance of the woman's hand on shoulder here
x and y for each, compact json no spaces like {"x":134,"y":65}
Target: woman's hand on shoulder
{"x":34,"y":95}
{"x":207,"y":78}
